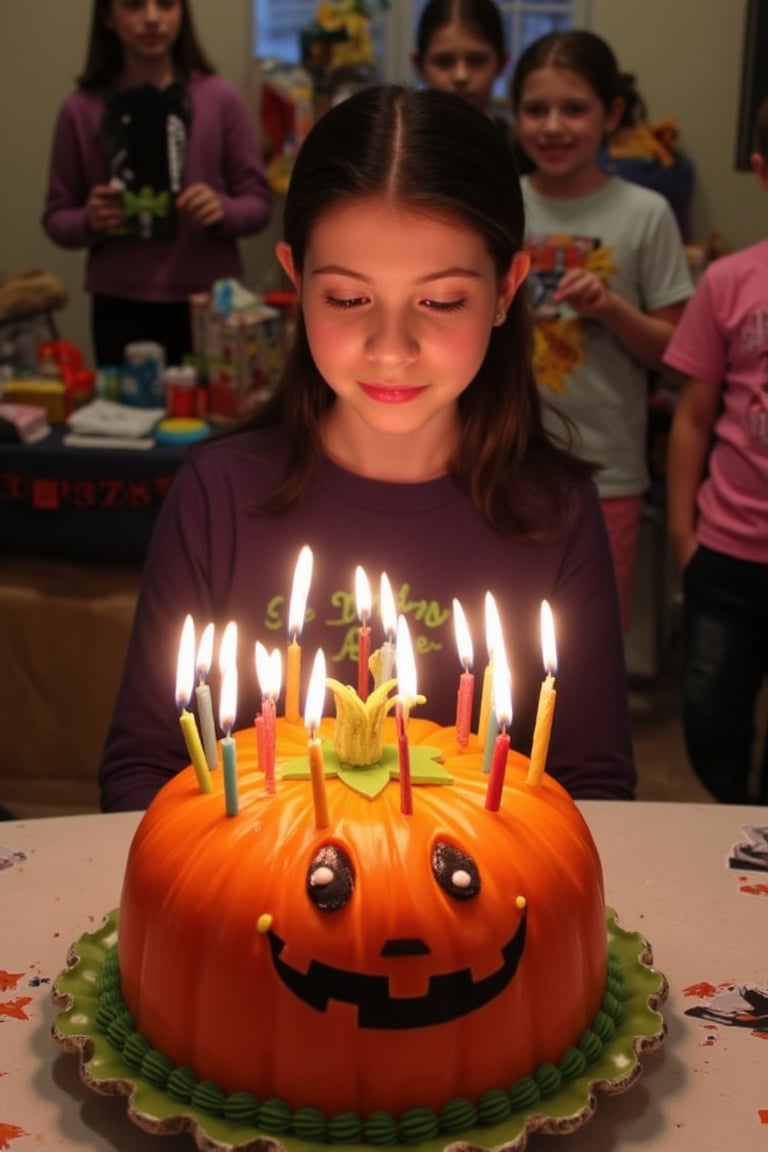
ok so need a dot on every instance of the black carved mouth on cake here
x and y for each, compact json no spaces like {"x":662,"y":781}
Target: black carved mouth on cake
{"x":449,"y":996}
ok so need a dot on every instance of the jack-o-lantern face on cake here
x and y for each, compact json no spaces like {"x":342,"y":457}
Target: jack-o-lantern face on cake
{"x":299,"y":962}
{"x":453,"y":877}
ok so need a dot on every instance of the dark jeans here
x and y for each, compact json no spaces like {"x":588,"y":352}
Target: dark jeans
{"x":725,"y":658}
{"x":116,"y":321}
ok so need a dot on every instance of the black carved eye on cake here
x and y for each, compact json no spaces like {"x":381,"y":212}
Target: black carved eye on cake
{"x":455,"y":871}
{"x":330,"y":878}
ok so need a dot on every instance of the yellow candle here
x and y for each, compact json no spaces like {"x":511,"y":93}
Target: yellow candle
{"x":317,"y":773}
{"x":195,"y":749}
{"x":547,"y":695}
{"x":292,"y":679}
{"x":543,"y":730}
{"x":493,"y":635}
{"x":296,"y":610}
{"x":485,"y":701}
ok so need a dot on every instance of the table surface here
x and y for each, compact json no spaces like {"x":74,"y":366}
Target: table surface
{"x":667,"y":874}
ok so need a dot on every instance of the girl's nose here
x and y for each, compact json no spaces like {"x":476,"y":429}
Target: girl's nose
{"x":390,"y":341}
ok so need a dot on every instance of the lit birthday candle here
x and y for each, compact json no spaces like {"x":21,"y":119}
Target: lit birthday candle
{"x":227,"y":711}
{"x":203,"y":696}
{"x":547,"y":696}
{"x":492,"y":631}
{"x":185,"y":668}
{"x":302,"y":578}
{"x":269,"y":668}
{"x":313,"y":714}
{"x":406,"y":694}
{"x":363,"y":600}
{"x":389,"y":624}
{"x":466,"y":690}
{"x":502,"y":707}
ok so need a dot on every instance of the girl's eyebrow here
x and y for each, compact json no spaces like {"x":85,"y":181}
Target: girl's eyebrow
{"x":441,"y":274}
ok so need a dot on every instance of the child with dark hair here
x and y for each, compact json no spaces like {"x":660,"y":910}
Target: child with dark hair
{"x":461,"y":48}
{"x":405,"y":436}
{"x":609,"y":273}
{"x":717,"y":480}
{"x":155,"y":170}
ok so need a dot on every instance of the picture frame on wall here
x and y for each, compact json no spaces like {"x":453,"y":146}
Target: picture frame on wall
{"x":754,"y":78}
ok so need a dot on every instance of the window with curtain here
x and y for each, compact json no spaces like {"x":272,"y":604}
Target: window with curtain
{"x":276,"y":25}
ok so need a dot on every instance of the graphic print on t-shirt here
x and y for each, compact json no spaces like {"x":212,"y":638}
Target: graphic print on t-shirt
{"x":559,"y":332}
{"x":753,"y":341}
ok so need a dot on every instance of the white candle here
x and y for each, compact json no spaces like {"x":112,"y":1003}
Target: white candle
{"x":406,"y":695}
{"x":547,"y":697}
{"x":389,"y":624}
{"x":312,"y":716}
{"x":363,"y":600}
{"x":203,"y":696}
{"x":302,"y":577}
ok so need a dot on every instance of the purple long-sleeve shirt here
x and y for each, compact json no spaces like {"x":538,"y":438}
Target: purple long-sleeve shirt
{"x":212,"y":557}
{"x":222,"y":151}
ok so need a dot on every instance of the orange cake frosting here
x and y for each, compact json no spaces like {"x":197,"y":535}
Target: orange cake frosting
{"x":380,"y":966}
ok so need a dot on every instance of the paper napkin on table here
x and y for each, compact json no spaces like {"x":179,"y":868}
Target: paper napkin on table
{"x":108,"y":418}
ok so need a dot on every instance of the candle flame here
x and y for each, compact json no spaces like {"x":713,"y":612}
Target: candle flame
{"x":502,"y":689}
{"x":228,"y":650}
{"x":302,"y":578}
{"x":228,"y":702}
{"x":269,"y":670}
{"x":313,"y":712}
{"x":205,"y":653}
{"x":406,"y":665}
{"x":493,"y":632}
{"x":548,"y":648}
{"x":362,"y":594}
{"x":388,"y":609}
{"x":185,"y":665}
{"x":463,"y":638}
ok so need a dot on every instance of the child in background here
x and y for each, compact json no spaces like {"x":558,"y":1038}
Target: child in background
{"x":609,"y":276}
{"x":460,"y":47}
{"x":404,"y":435}
{"x":144,"y":65}
{"x":717,"y":478}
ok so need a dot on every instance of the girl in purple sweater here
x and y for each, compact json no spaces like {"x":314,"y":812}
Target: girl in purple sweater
{"x":156,"y":170}
{"x":405,"y":436}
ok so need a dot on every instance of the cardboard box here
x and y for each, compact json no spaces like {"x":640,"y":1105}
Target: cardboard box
{"x":240,"y":355}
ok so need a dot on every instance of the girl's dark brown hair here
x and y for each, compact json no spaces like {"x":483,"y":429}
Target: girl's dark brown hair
{"x":482,"y":16}
{"x":104,"y":55}
{"x":591,"y":58}
{"x":432,"y":153}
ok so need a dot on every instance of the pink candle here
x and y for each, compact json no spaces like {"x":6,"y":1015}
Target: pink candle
{"x":466,"y":690}
{"x":269,"y":673}
{"x":268,"y":713}
{"x":403,"y":761}
{"x":502,"y":706}
{"x":363,"y":597}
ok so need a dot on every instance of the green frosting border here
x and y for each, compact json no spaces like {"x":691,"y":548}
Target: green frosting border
{"x":117,"y":1059}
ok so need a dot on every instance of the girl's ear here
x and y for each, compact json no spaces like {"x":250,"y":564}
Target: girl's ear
{"x":759,"y":166}
{"x":285,"y":259}
{"x":613,"y":115}
{"x":516,"y":274}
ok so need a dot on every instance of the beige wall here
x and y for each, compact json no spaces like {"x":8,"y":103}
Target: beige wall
{"x":685,"y":53}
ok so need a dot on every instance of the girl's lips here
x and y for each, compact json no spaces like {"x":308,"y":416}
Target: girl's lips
{"x":392,"y":394}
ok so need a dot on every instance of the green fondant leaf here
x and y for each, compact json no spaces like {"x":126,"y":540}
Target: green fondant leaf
{"x":368,"y":781}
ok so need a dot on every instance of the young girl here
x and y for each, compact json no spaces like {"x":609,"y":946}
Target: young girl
{"x":156,"y":171}
{"x":460,"y":47}
{"x":405,"y":436}
{"x":609,"y":276}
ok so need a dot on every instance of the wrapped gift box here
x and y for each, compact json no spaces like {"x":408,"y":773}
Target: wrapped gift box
{"x":240,"y":354}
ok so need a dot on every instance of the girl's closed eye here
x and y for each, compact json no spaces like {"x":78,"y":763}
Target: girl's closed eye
{"x":345,"y":303}
{"x":446,"y":305}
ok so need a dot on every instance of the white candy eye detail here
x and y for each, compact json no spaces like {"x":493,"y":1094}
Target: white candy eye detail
{"x":455,"y":871}
{"x":330,"y":879}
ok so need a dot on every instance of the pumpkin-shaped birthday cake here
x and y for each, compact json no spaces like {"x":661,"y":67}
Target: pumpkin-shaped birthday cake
{"x":348,"y":977}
